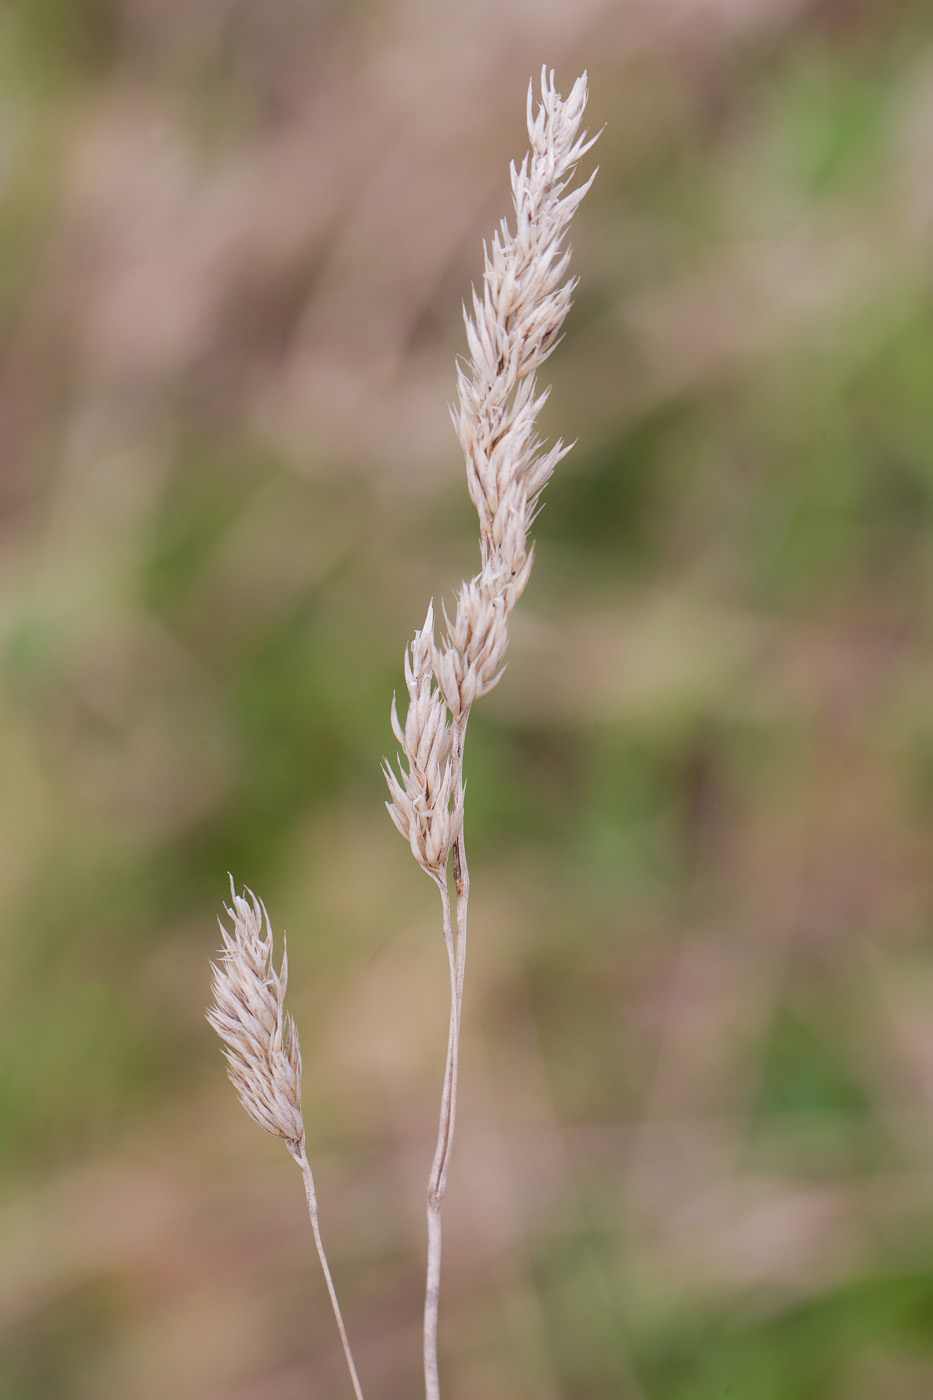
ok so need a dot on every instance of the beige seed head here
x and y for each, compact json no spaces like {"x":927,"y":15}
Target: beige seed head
{"x":420,"y":803}
{"x":248,"y":1013}
{"x":473,"y":658}
{"x":516,"y":324}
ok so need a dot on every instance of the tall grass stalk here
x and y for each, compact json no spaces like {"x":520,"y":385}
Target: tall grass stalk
{"x":514,"y":326}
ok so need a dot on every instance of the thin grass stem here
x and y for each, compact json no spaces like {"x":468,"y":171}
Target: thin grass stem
{"x":298,"y":1153}
{"x":455,"y":943}
{"x":437,"y":1182}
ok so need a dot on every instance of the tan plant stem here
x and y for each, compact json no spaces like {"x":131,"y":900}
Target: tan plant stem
{"x":437,"y":1182}
{"x":461,"y":869}
{"x":455,"y":943}
{"x":297,"y":1150}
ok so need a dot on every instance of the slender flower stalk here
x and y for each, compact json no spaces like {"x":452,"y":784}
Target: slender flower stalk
{"x":263,"y":1055}
{"x":514,"y":327}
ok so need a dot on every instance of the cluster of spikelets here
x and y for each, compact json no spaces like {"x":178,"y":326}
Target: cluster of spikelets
{"x":248,"y":1013}
{"x":514,"y":327}
{"x":421,"y":808}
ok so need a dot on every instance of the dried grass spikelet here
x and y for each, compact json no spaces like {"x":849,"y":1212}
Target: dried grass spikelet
{"x":516,"y":324}
{"x":474,"y":657}
{"x":248,"y":1013}
{"x":420,"y":805}
{"x":513,"y":329}
{"x":263,"y":1057}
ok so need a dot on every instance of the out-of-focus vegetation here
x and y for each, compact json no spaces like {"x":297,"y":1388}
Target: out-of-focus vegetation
{"x":695,"y":1155}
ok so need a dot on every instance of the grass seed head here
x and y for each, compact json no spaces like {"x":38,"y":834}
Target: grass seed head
{"x":248,"y":1013}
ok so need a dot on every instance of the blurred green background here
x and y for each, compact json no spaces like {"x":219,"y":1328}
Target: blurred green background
{"x":696,"y":1134}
